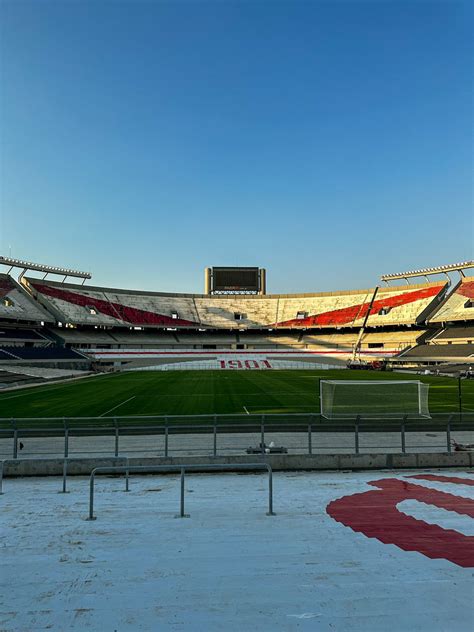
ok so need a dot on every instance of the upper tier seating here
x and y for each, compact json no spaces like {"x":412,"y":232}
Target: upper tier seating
{"x":15,"y":304}
{"x":81,"y":305}
{"x":391,"y":306}
{"x":458,"y":306}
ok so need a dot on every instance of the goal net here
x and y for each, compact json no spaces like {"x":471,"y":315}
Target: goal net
{"x":373,"y":398}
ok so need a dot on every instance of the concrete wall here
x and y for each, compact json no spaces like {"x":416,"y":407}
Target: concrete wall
{"x":54,"y":467}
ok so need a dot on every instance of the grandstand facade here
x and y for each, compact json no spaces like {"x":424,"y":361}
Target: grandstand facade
{"x":62,"y":324}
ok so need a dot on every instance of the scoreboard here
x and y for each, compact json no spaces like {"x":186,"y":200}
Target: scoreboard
{"x":235,"y":280}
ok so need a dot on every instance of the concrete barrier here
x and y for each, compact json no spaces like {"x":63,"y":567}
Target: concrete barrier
{"x":279,"y":462}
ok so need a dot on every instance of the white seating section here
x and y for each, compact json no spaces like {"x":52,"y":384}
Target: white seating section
{"x":81,"y":305}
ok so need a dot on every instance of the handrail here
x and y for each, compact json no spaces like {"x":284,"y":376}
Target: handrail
{"x":182,"y":469}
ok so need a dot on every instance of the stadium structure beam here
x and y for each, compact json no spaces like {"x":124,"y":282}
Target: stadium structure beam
{"x":39,"y":267}
{"x":426,"y":272}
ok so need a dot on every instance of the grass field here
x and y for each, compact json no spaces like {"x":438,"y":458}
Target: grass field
{"x":205,"y":392}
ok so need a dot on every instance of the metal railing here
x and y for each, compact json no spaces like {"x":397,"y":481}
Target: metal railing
{"x":222,"y":431}
{"x":40,"y":424}
{"x":182,"y":469}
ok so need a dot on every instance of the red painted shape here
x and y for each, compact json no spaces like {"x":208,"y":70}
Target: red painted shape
{"x":115,"y":310}
{"x":444,"y":479}
{"x":356,"y":312}
{"x":375,"y":514}
{"x":234,"y":364}
{"x":466,"y":289}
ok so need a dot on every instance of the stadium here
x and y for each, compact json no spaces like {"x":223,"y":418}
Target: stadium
{"x":350,"y":399}
{"x":222,"y":409}
{"x":52,"y":330}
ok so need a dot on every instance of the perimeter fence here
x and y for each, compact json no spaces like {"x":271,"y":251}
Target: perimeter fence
{"x":221,"y":435}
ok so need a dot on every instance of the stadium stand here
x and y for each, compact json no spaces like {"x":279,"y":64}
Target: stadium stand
{"x":53,"y":319}
{"x":17,"y":305}
{"x":458,"y":306}
{"x":454,"y":334}
{"x":81,"y":305}
{"x":392,"y":306}
{"x":108,"y":307}
{"x":440,"y":352}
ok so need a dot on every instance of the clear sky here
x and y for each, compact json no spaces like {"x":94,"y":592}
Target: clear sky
{"x":329,"y":142}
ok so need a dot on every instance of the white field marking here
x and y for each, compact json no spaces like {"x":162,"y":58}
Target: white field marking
{"x":245,"y":408}
{"x":121,"y":404}
{"x":46,"y":389}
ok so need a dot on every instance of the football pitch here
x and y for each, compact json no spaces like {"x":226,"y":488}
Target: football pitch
{"x":205,"y":393}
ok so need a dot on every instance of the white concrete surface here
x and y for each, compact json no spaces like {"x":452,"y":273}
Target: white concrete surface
{"x":228,"y":566}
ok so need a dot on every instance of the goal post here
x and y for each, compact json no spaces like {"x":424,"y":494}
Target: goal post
{"x":373,"y":398}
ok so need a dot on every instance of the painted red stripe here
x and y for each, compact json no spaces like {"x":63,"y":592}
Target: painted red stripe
{"x":122,"y":313}
{"x":356,"y":312}
{"x":466,"y":289}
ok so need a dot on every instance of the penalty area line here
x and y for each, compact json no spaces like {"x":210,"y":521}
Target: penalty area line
{"x":121,"y":404}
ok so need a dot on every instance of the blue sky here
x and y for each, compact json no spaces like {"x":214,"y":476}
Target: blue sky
{"x":329,"y":142}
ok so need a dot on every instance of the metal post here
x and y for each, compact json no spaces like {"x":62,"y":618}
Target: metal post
{"x":215,"y":437}
{"x":181,"y":505}
{"x":116,"y":451}
{"x":91,"y":497}
{"x":1,"y":477}
{"x":402,"y":432}
{"x":15,"y":443}
{"x":166,"y":441}
{"x":64,"y":490}
{"x":262,"y":435}
{"x":356,"y":434}
{"x":310,"y":447}
{"x":66,"y":443}
{"x":448,"y":433}
{"x":127,"y":489}
{"x":460,"y":397}
{"x":270,"y":492}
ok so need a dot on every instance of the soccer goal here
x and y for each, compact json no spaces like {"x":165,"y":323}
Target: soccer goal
{"x":373,"y":398}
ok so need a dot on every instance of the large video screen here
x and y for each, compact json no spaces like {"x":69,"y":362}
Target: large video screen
{"x":235,"y":279}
